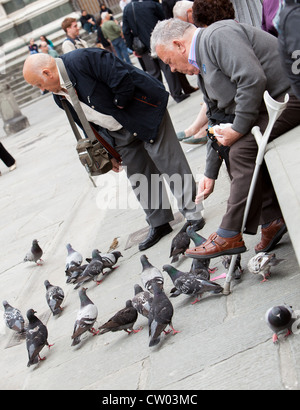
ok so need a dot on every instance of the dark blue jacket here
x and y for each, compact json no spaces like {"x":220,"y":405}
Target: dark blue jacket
{"x":104,"y":82}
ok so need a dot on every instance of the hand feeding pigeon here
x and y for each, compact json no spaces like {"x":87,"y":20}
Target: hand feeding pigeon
{"x":142,"y":300}
{"x":36,"y":338}
{"x":226,"y":261}
{"x":86,"y":317}
{"x":150,"y":274}
{"x":35,"y":254}
{"x":13,"y":318}
{"x":74,"y":258}
{"x":280,"y":319}
{"x":180,"y":244}
{"x":261,"y":264}
{"x":54,"y":296}
{"x":160,"y":315}
{"x":124,"y":319}
{"x":92,"y":271}
{"x":190,"y":284}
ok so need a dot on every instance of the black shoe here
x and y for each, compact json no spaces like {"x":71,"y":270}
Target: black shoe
{"x":196,"y":225}
{"x":181,"y":98}
{"x":155,"y":235}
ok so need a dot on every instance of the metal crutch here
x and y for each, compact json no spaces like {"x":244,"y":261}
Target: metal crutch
{"x":275,"y":109}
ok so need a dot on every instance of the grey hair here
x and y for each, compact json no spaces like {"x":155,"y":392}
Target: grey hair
{"x":181,"y":7}
{"x":166,"y":31}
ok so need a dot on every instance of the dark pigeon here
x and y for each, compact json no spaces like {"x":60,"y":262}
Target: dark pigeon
{"x":124,"y":319}
{"x":36,"y":338}
{"x":179,"y":245}
{"x":280,"y":319}
{"x":92,"y":271}
{"x":190,"y":284}
{"x":86,"y":317}
{"x":226,"y":261}
{"x":54,"y":296}
{"x":13,"y":318}
{"x":199,"y":240}
{"x":142,"y":300}
{"x":150,"y":274}
{"x":160,"y":315}
{"x":35,"y":254}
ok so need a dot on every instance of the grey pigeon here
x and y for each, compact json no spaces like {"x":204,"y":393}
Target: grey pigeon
{"x":200,"y":270}
{"x":86,"y":317}
{"x":92,"y":271}
{"x":142,"y":300}
{"x":54,"y":296}
{"x":35,"y":254}
{"x":150,"y":274}
{"x":261,"y":264}
{"x":199,"y":240}
{"x":280,"y":319}
{"x":13,"y":318}
{"x":124,"y":319}
{"x":73,"y":272}
{"x":180,"y":244}
{"x":73,"y":259}
{"x":226,"y":261}
{"x":190,"y":284}
{"x":160,"y":315}
{"x":36,"y":338}
{"x":110,"y":259}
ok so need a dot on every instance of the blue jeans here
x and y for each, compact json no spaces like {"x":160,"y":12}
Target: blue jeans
{"x":121,"y":49}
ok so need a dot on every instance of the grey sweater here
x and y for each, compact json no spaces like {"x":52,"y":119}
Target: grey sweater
{"x":237,"y":64}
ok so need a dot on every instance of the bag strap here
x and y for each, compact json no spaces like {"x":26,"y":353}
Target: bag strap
{"x":89,"y":130}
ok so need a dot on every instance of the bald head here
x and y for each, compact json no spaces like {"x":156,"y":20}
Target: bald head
{"x":40,"y":71}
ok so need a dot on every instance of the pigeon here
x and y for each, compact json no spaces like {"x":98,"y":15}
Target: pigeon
{"x":86,"y":317}
{"x":226,"y":261}
{"x":200,"y":270}
{"x":280,"y":319}
{"x":74,"y":258}
{"x":160,"y":315}
{"x":190,"y":284}
{"x":180,"y":244}
{"x":92,"y":271}
{"x":142,"y":300}
{"x":73,"y":272}
{"x":54,"y":296}
{"x":13,"y":318}
{"x":261,"y":264}
{"x":150,"y":274}
{"x":124,"y":319}
{"x":36,"y":338}
{"x":110,"y":259}
{"x":199,"y":240}
{"x":35,"y":254}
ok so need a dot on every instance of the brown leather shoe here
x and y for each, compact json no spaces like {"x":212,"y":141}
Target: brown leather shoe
{"x":271,"y":235}
{"x":217,"y":246}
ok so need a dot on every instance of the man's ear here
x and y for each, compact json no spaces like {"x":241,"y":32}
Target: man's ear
{"x":47,"y":73}
{"x":179,"y":46}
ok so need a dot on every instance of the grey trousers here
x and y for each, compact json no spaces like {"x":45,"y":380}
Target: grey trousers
{"x":149,"y":165}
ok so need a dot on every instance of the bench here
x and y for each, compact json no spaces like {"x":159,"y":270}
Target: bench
{"x":283,"y":161}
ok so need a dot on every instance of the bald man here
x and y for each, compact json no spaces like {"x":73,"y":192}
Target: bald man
{"x":131,"y":107}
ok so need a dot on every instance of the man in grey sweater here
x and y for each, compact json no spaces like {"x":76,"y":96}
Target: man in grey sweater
{"x":235,"y":63}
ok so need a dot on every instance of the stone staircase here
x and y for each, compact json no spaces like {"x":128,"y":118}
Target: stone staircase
{"x":23,"y":92}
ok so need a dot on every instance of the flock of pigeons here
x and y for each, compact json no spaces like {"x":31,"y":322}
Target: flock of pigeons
{"x":149,"y":301}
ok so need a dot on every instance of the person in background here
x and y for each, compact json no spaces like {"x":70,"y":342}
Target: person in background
{"x":7,"y":158}
{"x":46,"y":50}
{"x":33,"y":47}
{"x":49,"y":42}
{"x":113,"y":32}
{"x":101,"y":41}
{"x":73,"y":41}
{"x":289,"y":42}
{"x":269,"y":11}
{"x":88,"y":22}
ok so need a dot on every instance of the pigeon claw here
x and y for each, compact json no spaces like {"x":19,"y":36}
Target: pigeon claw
{"x":94,"y":331}
{"x":134,"y":330}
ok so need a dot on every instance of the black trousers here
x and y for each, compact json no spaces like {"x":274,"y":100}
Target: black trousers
{"x":6,"y":157}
